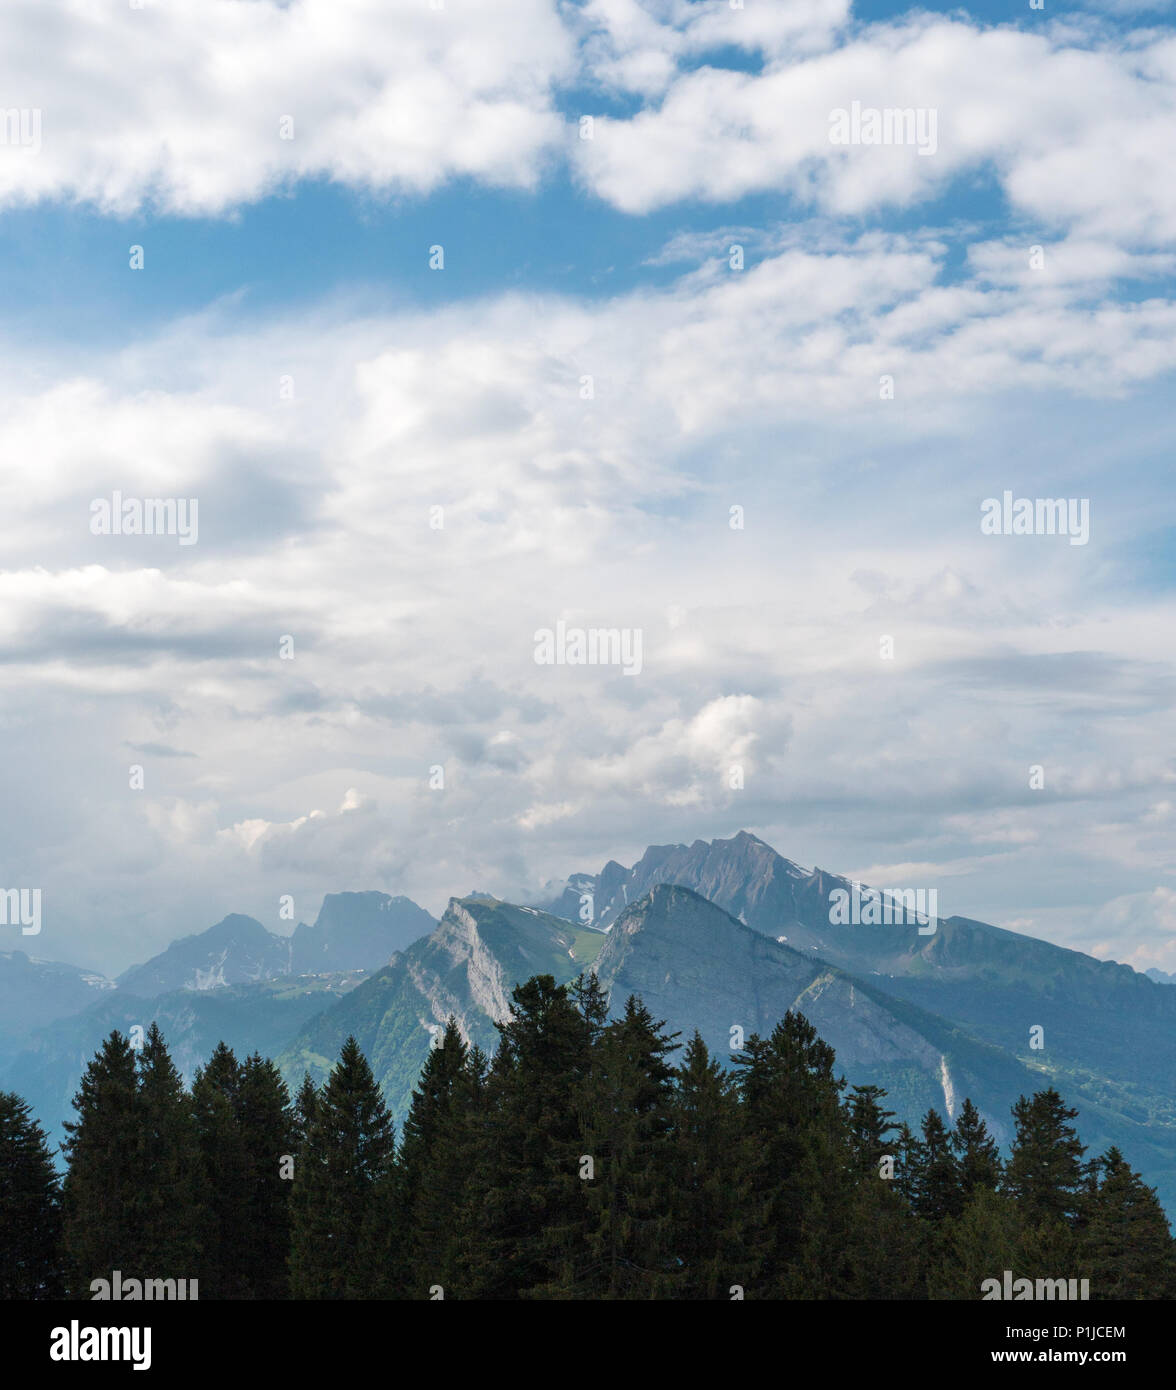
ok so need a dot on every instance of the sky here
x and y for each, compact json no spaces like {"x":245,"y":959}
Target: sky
{"x":461,"y":321}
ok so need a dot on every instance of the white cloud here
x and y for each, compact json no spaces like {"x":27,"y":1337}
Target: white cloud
{"x":178,"y":106}
{"x":413,"y":645}
{"x":180,"y":103}
{"x":1077,"y":138}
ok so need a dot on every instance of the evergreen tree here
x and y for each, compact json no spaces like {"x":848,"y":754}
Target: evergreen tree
{"x":414,"y":1241}
{"x":169,"y":1167}
{"x":870,"y":1127}
{"x":716,"y":1239}
{"x":909,"y":1159}
{"x":445,"y":1201}
{"x":533,"y":1215}
{"x":431,"y":1102}
{"x":793,"y":1110}
{"x":347,"y":1155}
{"x":30,"y":1206}
{"x":977,"y":1151}
{"x":267,"y":1128}
{"x":102,"y":1189}
{"x":936,"y":1187}
{"x":305,"y":1109}
{"x":885,"y":1250}
{"x":979,"y":1244}
{"x":1045,"y":1171}
{"x":216,"y":1092}
{"x":1126,"y":1246}
{"x":624,"y":1121}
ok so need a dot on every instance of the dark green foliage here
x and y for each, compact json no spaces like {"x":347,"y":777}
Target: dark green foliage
{"x":169,"y":1167}
{"x":533,"y":1220}
{"x":983,"y":1241}
{"x":268,"y":1128}
{"x":1126,"y":1247}
{"x":30,"y":1206}
{"x":103,"y":1187}
{"x":870,"y":1127}
{"x":625,"y":1117}
{"x":977,"y":1152}
{"x":579,"y":1163}
{"x":246,"y":1131}
{"x":305,"y":1106}
{"x":215,"y":1098}
{"x":717,"y":1224}
{"x":1045,"y":1172}
{"x":428,"y":1204}
{"x":805,"y":1162}
{"x":346,"y":1157}
{"x":936,"y":1190}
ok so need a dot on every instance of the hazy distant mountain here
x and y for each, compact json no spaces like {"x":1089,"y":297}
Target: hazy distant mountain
{"x":249,"y":1017}
{"x":357,"y":931}
{"x":353,"y":931}
{"x":466,"y":968}
{"x":237,"y":951}
{"x":35,"y":992}
{"x":236,"y":981}
{"x":1161,"y":977}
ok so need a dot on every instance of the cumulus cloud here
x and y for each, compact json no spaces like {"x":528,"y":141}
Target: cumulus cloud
{"x":138,"y":108}
{"x":774,"y":473}
{"x":459,"y":492}
{"x":1076,"y":138}
{"x":199,"y":106}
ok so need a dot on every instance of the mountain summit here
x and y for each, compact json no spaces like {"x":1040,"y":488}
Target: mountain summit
{"x":238,"y":950}
{"x":357,"y":931}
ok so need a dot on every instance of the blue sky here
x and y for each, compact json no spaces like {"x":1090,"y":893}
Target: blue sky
{"x":63,"y":267}
{"x":306,"y":261}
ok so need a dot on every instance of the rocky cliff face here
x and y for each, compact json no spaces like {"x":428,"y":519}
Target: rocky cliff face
{"x":465,"y":969}
{"x":1098,"y":1017}
{"x":697,"y":967}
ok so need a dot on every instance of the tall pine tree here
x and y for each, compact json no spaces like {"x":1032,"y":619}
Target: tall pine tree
{"x":30,"y":1206}
{"x":533,"y":1210}
{"x":793,"y":1110}
{"x":1045,"y":1171}
{"x":718,"y":1233}
{"x":169,"y":1167}
{"x":348,"y":1152}
{"x":103,"y":1186}
{"x":1126,"y":1244}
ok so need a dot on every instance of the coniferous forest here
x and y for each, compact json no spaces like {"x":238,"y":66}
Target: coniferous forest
{"x":589,"y":1158}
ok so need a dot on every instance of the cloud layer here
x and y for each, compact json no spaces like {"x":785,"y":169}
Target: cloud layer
{"x":406,"y":498}
{"x":770,"y":459}
{"x":199,"y":107}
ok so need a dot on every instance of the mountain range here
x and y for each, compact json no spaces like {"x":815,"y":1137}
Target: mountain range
{"x":236,"y":981}
{"x":723,"y":936}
